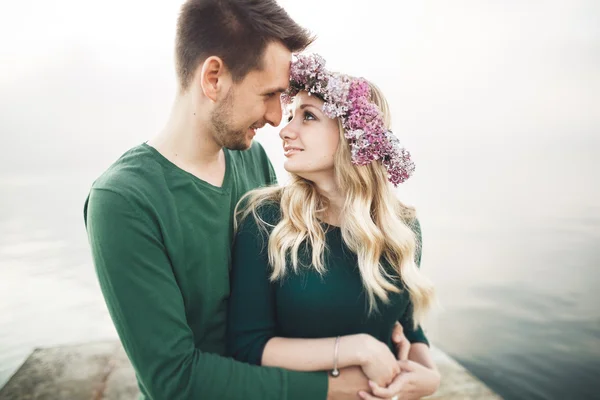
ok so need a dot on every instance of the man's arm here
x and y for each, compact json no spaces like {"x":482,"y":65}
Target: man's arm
{"x":148,"y":311}
{"x":347,"y":385}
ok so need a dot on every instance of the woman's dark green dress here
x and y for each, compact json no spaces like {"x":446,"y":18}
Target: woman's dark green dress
{"x":304,"y":305}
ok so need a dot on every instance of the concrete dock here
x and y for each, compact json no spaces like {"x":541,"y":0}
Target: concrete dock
{"x":101,"y":371}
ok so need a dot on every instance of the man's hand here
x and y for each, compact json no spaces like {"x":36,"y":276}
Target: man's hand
{"x":401,"y":342}
{"x":346,"y":386}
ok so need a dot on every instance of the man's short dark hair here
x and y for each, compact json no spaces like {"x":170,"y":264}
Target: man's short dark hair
{"x":237,"y":31}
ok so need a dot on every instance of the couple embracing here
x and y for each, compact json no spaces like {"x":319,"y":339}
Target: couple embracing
{"x":222,"y":284}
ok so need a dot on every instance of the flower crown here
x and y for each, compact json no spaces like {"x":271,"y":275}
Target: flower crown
{"x":349,"y":99}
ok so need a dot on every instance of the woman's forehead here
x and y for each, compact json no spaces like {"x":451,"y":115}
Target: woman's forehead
{"x":303,"y":98}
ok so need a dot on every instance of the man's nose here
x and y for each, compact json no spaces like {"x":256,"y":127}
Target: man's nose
{"x":274,"y":111}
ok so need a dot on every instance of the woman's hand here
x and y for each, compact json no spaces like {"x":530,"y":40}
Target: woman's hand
{"x":401,"y":342}
{"x":376,"y":360}
{"x":414,"y":382}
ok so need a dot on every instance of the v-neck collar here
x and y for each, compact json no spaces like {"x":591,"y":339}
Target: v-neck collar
{"x":225,"y":185}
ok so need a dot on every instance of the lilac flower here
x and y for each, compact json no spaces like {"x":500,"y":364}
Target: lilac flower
{"x":350,"y":100}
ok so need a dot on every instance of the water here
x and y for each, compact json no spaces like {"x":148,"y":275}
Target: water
{"x":48,"y":290}
{"x":512,"y":247}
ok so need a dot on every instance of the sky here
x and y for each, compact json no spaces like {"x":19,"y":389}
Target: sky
{"x":80,"y":81}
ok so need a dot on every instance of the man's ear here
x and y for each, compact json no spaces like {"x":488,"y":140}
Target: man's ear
{"x":215,"y":79}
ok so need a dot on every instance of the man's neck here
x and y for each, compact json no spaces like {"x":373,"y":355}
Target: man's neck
{"x":187,"y":142}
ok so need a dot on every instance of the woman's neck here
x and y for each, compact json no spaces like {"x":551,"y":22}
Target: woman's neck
{"x":333,"y":214}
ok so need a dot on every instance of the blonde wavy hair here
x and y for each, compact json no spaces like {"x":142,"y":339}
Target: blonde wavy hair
{"x":375,"y":225}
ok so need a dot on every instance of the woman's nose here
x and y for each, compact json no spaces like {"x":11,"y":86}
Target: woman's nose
{"x":288,"y":132}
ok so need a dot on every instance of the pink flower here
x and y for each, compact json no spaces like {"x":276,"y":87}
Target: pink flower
{"x":349,"y":99}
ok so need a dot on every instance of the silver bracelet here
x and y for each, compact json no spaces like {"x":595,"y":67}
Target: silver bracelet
{"x":336,"y":372}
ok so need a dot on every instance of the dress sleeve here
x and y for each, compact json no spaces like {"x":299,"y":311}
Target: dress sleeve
{"x":251,"y":315}
{"x":414,"y":335}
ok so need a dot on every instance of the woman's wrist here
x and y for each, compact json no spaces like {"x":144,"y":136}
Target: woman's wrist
{"x":356,"y":349}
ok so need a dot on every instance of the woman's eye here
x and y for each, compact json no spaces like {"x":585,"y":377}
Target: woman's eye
{"x":308,"y":116}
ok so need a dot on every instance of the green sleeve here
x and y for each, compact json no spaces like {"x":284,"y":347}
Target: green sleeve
{"x":148,"y":311}
{"x":265,"y":162}
{"x":251,"y":312}
{"x":272,"y":174}
{"x":252,"y":315}
{"x":414,"y":335}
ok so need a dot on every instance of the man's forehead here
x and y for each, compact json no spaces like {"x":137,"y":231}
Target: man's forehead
{"x":273,"y":83}
{"x":276,"y":66}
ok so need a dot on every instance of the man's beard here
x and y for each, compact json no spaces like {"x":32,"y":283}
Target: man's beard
{"x":225,"y":134}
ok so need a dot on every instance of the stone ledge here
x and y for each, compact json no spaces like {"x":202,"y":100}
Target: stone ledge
{"x":101,"y":371}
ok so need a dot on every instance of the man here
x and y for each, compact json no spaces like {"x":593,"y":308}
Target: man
{"x":159,"y":219}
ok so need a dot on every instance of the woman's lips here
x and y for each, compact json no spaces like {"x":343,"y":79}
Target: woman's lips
{"x":289,"y":151}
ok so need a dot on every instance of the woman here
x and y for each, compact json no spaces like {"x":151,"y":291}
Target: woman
{"x":324,"y":267}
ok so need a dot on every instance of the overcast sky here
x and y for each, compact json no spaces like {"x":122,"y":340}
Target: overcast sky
{"x":80,"y":81}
